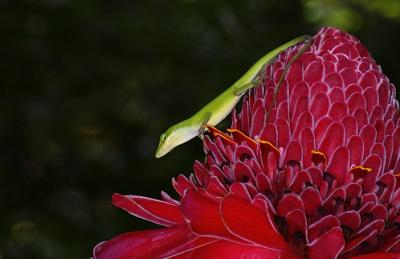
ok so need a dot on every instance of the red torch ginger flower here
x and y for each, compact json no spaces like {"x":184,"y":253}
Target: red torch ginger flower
{"x":313,"y":177}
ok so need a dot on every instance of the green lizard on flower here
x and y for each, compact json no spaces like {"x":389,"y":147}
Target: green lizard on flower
{"x":219,"y":108}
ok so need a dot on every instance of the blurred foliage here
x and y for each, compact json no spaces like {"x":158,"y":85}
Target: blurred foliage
{"x":349,"y":15}
{"x":88,"y":86}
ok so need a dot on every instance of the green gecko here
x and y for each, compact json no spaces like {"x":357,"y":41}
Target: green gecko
{"x":219,"y":108}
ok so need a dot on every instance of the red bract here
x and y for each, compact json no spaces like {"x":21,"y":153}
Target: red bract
{"x":313,"y":177}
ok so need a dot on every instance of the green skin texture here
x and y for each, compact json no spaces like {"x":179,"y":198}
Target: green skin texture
{"x":219,"y":108}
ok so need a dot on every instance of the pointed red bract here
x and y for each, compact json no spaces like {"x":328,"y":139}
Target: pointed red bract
{"x":156,"y":243}
{"x":381,"y":255}
{"x":240,"y":224}
{"x":202,"y":214}
{"x":156,"y":211}
{"x":328,"y":245}
{"x":228,"y":250}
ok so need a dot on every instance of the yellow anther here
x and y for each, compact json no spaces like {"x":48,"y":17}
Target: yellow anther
{"x":270,"y":145}
{"x":318,"y":157}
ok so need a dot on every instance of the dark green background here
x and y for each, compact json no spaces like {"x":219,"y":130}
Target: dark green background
{"x":87,"y":87}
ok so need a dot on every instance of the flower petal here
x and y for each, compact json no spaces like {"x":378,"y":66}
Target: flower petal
{"x":307,"y":141}
{"x":181,"y":184}
{"x":379,"y":255}
{"x":155,"y":243}
{"x":356,"y":147}
{"x":253,"y":225}
{"x":293,"y":152}
{"x":339,"y":164}
{"x":202,"y":213}
{"x":283,"y":132}
{"x":314,"y":72}
{"x":311,"y":200}
{"x":338,"y":110}
{"x":297,"y":229}
{"x":328,"y":245}
{"x":288,"y":203}
{"x":159,"y":212}
{"x":228,"y":250}
{"x":305,"y":120}
{"x":333,"y":138}
{"x":350,"y":126}
{"x":258,"y":121}
{"x":319,"y":105}
{"x":318,"y":228}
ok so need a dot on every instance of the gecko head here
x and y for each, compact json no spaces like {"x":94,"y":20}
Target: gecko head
{"x":161,"y":149}
{"x":173,"y":137}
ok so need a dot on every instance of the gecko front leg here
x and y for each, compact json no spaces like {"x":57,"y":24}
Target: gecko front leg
{"x":206,"y":118}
